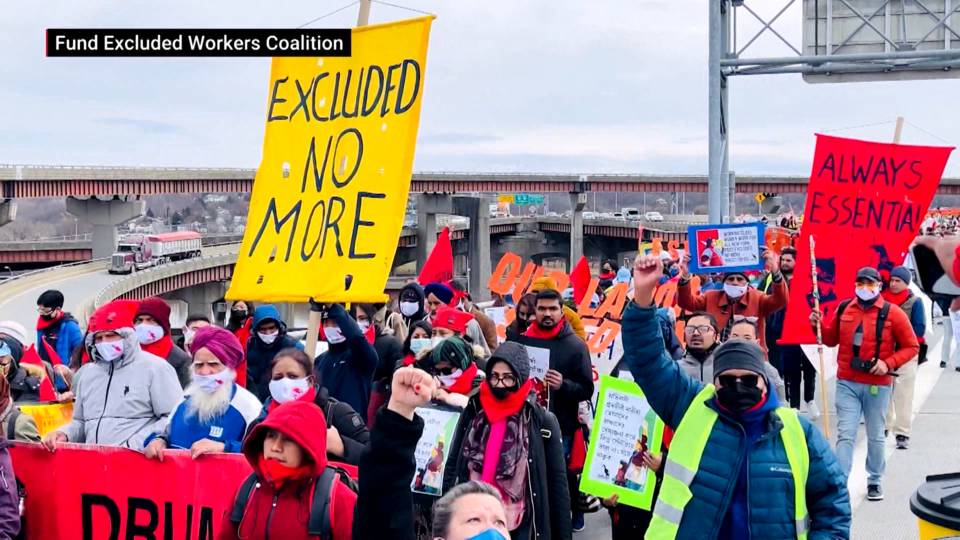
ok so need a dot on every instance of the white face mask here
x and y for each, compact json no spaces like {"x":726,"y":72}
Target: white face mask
{"x":867,"y":293}
{"x":418,"y":344}
{"x":333,"y":334}
{"x":437,"y":340}
{"x":268,"y":338}
{"x":148,"y":333}
{"x":188,"y":335}
{"x":364,"y":325}
{"x":284,"y":390}
{"x":110,"y":350}
{"x":734,"y":291}
{"x":409,"y":309}
{"x":212,"y":383}
{"x":448,"y":380}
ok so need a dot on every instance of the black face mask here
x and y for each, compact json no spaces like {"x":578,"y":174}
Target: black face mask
{"x":48,"y":317}
{"x":500,"y":392}
{"x":739,"y":397}
{"x":238,"y":314}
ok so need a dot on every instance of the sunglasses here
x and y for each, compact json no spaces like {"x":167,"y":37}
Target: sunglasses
{"x":731,"y":380}
{"x":445,"y":370}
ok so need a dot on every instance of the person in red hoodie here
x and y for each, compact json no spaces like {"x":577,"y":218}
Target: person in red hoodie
{"x":288,"y":461}
{"x":152,"y":324}
{"x":864,"y":364}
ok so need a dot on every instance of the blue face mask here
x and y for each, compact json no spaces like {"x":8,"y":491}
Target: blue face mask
{"x":488,"y":534}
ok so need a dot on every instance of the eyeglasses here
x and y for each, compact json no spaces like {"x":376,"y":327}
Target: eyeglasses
{"x":45,"y":310}
{"x":747,"y":380}
{"x":738,"y":318}
{"x":702,"y":329}
{"x":507,"y":379}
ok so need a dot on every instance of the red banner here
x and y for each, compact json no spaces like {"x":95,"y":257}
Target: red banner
{"x":865,"y":204}
{"x":102,"y":493}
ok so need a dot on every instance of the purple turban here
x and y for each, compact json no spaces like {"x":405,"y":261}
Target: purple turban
{"x":441,"y":291}
{"x":221,"y":342}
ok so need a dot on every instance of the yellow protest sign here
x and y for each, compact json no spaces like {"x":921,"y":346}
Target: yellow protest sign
{"x":505,"y":199}
{"x":330,"y":194}
{"x":49,"y":416}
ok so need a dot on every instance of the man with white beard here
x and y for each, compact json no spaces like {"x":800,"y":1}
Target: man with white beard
{"x":215,"y":411}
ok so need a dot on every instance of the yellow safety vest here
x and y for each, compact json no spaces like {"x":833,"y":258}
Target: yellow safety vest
{"x":683,"y":461}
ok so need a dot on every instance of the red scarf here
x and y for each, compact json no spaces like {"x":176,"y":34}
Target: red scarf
{"x":308,"y":397}
{"x":43,"y":324}
{"x":497,"y":410}
{"x":278,"y":474}
{"x":896,"y":298}
{"x":535,"y":331}
{"x":464,"y":383}
{"x":160,"y":347}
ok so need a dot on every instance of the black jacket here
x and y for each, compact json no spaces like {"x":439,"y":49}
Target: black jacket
{"x":389,"y":353}
{"x":346,"y":369}
{"x":385,"y":504}
{"x":340,"y":415}
{"x":181,"y":362}
{"x":548,"y":517}
{"x":568,"y":355}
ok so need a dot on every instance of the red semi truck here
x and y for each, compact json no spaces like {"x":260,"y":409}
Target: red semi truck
{"x":143,"y":251}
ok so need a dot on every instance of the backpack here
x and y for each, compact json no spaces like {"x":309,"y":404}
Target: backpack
{"x":318,"y":524}
{"x":881,"y":319}
{"x":12,"y":423}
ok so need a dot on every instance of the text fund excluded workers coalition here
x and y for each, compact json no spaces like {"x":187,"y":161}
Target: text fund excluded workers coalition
{"x":169,"y":42}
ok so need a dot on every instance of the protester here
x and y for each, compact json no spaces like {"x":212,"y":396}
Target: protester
{"x":899,"y":417}
{"x":569,"y":379}
{"x":14,"y":335}
{"x":747,"y":329}
{"x":58,"y":334}
{"x":526,"y":314}
{"x":472,"y":510}
{"x":123,"y":394}
{"x":268,"y":338}
{"x":346,"y":368}
{"x":418,"y":339}
{"x":9,"y":495}
{"x":292,"y":379}
{"x":454,"y":364}
{"x":24,"y":386}
{"x":608,"y":272}
{"x":449,"y":322}
{"x":548,"y":283}
{"x":728,"y":441}
{"x":215,"y":412}
{"x":505,"y":439}
{"x":291,"y":485}
{"x":486,"y":324}
{"x":868,"y":350}
{"x":440,"y":296}
{"x":193,"y":323}
{"x":152,"y":324}
{"x":389,"y":354}
{"x":15,"y":425}
{"x":412,"y":304}
{"x":736,"y":298}
{"x":240,"y":321}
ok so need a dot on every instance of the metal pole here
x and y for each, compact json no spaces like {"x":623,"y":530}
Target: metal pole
{"x":898,"y":130}
{"x":363,"y":17}
{"x":717,"y":162}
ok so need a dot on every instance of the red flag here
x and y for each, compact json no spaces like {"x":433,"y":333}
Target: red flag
{"x":580,"y":278}
{"x":439,"y":265}
{"x":865,"y":203}
{"x":30,"y":356}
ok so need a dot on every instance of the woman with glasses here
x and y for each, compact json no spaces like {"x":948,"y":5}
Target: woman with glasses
{"x":508,"y":441}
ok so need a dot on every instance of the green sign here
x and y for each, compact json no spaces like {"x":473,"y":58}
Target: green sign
{"x":523,"y":199}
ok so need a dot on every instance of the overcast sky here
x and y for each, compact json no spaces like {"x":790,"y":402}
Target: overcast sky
{"x":558,"y":86}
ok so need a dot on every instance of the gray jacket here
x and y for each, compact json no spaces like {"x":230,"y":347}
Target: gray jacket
{"x":703,"y":372}
{"x":120,"y":403}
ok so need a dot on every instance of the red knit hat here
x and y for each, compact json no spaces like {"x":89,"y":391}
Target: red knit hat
{"x":452,"y":319}
{"x":113,"y":316}
{"x":156,"y":308}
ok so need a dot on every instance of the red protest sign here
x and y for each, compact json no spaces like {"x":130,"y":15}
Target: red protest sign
{"x":112,"y":493}
{"x":865,"y":204}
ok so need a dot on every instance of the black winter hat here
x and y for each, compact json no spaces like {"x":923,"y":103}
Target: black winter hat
{"x":515,"y":355}
{"x":738,"y":354}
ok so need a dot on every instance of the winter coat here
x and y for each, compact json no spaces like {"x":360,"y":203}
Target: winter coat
{"x":421,"y":314}
{"x":180,"y":361}
{"x":9,"y":497}
{"x":703,"y":372}
{"x":568,"y":355}
{"x":487,"y":326}
{"x":64,"y":336}
{"x":24,"y":426}
{"x":898,"y":343}
{"x":671,"y":391}
{"x":346,"y":369}
{"x":120,"y":403}
{"x":385,"y":504}
{"x":389,"y":354}
{"x":282,"y":514}
{"x":23,"y":386}
{"x":185,"y":427}
{"x":752,"y":304}
{"x":340,"y":415}
{"x":260,"y":354}
{"x":548,"y":498}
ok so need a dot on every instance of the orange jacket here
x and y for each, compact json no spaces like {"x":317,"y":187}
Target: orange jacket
{"x":753,"y":304}
{"x":896,"y":330}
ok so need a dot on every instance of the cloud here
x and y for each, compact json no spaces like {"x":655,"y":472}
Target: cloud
{"x":144,"y":126}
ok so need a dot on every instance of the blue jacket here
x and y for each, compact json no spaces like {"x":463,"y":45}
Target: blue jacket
{"x":918,"y":319}
{"x":65,"y":336}
{"x":770,"y":487}
{"x":346,"y":369}
{"x":185,"y":428}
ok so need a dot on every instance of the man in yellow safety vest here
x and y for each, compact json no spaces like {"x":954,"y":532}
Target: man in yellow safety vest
{"x":739,"y":465}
